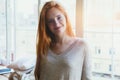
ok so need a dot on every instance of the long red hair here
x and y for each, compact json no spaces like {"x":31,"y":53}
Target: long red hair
{"x":44,"y":37}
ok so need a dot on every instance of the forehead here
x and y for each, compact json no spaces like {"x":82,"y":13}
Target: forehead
{"x":53,"y":12}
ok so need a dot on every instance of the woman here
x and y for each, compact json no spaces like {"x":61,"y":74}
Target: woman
{"x":60,"y":55}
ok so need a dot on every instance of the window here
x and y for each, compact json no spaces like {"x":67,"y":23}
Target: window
{"x":26,"y":21}
{"x":3,"y":39}
{"x":18,"y":26}
{"x":102,"y":30}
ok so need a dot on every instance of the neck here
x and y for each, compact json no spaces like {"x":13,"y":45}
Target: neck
{"x":62,"y":39}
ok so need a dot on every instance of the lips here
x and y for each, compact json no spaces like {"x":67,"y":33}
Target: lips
{"x":57,"y":28}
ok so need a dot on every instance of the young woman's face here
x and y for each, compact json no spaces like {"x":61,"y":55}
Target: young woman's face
{"x":56,"y":21}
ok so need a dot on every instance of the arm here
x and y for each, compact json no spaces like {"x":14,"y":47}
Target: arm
{"x":86,"y":71}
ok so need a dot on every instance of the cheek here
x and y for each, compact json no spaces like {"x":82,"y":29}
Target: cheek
{"x":50,"y":28}
{"x":64,"y":23}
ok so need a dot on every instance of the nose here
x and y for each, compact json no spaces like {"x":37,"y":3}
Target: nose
{"x":56,"y":22}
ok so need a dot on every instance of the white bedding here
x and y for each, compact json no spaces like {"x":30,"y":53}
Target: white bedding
{"x":4,"y":76}
{"x":24,"y":69}
{"x":22,"y":75}
{"x":19,"y":75}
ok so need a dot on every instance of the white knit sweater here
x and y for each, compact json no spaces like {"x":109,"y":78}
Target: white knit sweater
{"x":73,"y":64}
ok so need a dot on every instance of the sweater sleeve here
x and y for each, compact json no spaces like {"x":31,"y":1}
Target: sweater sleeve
{"x":86,"y":69}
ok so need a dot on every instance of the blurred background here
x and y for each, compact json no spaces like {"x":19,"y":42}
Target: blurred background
{"x":98,"y":21}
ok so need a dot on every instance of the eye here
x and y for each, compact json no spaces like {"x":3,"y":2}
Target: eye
{"x":59,"y":18}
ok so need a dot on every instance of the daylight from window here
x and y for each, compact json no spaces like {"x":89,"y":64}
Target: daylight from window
{"x":101,"y":29}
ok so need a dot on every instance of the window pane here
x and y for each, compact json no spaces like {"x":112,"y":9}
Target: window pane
{"x":3,"y":29}
{"x":116,"y":39}
{"x":98,"y":30}
{"x":98,"y":15}
{"x":26,"y":26}
{"x":116,"y":20}
{"x":100,"y":46}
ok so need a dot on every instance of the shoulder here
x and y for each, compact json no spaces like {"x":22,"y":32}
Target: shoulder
{"x":81,"y":41}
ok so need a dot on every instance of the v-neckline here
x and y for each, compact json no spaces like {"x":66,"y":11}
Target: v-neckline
{"x":65,"y":51}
